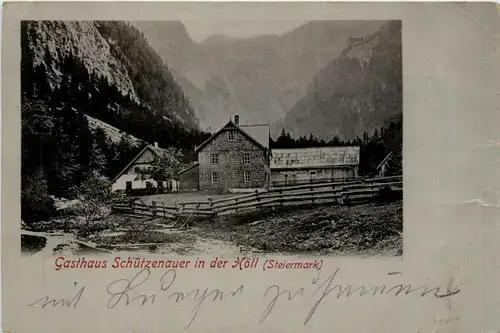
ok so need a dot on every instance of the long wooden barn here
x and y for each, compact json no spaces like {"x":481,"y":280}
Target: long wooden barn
{"x":313,"y":165}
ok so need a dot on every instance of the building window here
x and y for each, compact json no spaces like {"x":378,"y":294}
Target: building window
{"x":230,"y":136}
{"x":246,"y":176}
{"x":246,"y":158}
{"x":215,"y":158}
{"x":215,"y":177}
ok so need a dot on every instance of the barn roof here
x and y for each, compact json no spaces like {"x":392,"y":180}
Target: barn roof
{"x":189,"y":168}
{"x":321,"y":157}
{"x":258,"y":134}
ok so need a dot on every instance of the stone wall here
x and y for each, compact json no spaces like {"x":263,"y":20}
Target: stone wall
{"x":231,"y":167}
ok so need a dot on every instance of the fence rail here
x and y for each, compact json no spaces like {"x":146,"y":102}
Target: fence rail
{"x":355,"y":191}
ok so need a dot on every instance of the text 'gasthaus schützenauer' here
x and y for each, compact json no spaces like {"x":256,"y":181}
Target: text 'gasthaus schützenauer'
{"x":240,"y":263}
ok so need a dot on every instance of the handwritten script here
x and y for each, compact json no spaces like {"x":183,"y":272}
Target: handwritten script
{"x":130,"y":292}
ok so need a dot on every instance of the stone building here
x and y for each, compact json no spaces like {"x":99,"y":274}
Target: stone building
{"x":313,"y":165}
{"x":235,"y":157}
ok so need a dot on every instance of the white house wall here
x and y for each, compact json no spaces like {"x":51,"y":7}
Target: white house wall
{"x":121,"y":183}
{"x":144,"y":161}
{"x":146,"y":157}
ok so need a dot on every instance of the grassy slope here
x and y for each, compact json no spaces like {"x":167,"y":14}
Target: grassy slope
{"x":365,"y":229}
{"x":113,"y":133}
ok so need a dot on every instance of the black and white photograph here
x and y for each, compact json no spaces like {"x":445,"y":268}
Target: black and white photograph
{"x":212,"y":137}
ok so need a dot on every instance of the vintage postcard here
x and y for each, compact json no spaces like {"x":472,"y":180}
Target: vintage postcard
{"x":250,"y":167}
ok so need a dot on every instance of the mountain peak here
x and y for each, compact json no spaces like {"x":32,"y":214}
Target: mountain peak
{"x":216,"y":40}
{"x":356,"y":92}
{"x":266,"y":74}
{"x":159,"y":32}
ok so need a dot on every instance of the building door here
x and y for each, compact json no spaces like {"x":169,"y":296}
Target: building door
{"x":128,"y":186}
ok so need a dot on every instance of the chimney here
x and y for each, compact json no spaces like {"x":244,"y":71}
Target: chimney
{"x":156,"y":144}
{"x":237,"y":120}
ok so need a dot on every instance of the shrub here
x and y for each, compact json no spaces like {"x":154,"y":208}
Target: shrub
{"x":94,"y":194}
{"x":36,"y":205}
{"x":387,"y":194}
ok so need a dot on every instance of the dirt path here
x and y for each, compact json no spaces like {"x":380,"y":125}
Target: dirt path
{"x":189,"y":243}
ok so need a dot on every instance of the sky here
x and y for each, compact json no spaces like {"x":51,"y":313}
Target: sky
{"x":201,"y":30}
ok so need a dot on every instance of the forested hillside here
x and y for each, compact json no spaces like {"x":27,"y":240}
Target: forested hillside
{"x":356,"y":99}
{"x":354,"y":93}
{"x":105,"y":70}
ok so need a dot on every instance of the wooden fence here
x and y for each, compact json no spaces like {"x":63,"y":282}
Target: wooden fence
{"x":351,"y":192}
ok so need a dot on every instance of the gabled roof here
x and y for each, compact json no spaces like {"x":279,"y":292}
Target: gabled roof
{"x":320,"y":157}
{"x":189,"y":168}
{"x":155,"y":150}
{"x":259,"y":132}
{"x":384,"y":160}
{"x":249,"y":131}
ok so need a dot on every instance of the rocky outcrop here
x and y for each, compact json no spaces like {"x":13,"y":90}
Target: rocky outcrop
{"x":260,"y":78}
{"x":357,"y":92}
{"x":55,"y":40}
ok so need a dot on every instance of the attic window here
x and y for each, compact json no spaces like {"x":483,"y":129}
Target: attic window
{"x":230,"y":135}
{"x":215,"y":158}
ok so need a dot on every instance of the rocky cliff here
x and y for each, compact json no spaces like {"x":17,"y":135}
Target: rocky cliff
{"x":90,"y":92}
{"x":261,"y":78}
{"x":356,"y":92}
{"x":112,"y":51}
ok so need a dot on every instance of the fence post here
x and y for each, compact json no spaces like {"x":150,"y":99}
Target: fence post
{"x":176,"y":209}
{"x":154,"y":208}
{"x":259,"y":206}
{"x":131,"y":205}
{"x":210,"y":205}
{"x":341,"y":195}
